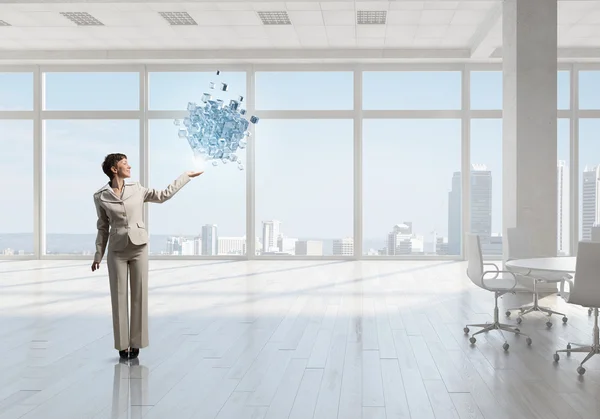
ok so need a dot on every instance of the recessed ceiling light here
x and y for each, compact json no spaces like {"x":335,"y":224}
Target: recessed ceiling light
{"x":371,"y":17}
{"x":3,"y":23}
{"x":275,"y":18}
{"x":82,"y":18}
{"x":178,"y":18}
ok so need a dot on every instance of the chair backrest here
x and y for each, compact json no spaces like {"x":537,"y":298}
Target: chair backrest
{"x":586,"y":291}
{"x":475,"y":259}
{"x":519,"y":246}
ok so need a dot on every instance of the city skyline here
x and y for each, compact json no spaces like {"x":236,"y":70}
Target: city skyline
{"x":273,"y":240}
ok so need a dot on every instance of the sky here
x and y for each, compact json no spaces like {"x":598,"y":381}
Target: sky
{"x":304,"y":168}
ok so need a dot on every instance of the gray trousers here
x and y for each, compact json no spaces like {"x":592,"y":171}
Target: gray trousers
{"x":133,"y":260}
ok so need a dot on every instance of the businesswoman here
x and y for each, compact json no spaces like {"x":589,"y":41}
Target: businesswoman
{"x":119,"y":205}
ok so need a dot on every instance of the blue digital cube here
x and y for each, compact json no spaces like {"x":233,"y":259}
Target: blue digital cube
{"x":215,"y":131}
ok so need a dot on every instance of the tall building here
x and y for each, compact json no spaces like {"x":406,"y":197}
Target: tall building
{"x":409,"y":225}
{"x":401,"y":241}
{"x":454,"y":216}
{"x":232,"y":245}
{"x":589,"y":211}
{"x":198,"y":245}
{"x":270,"y":235}
{"x":309,"y":248}
{"x":174,"y":245}
{"x":563,"y":220}
{"x":431,"y":243}
{"x":343,"y":247}
{"x":209,"y":240}
{"x":187,"y":247}
{"x":481,"y":208}
{"x":286,"y":245}
{"x":441,"y":246}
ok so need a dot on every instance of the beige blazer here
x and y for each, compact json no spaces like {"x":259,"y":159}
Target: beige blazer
{"x":124,"y":214}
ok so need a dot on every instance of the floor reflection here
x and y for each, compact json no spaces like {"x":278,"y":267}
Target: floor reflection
{"x":130,"y":390}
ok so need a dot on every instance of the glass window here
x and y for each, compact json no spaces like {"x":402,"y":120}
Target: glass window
{"x":563,"y":188}
{"x":486,"y":90}
{"x":564,"y":90}
{"x":304,"y":187}
{"x":16,"y":91}
{"x":75,"y":151}
{"x":208,"y":216}
{"x":486,"y":185}
{"x":486,"y":181}
{"x":408,"y":171}
{"x":170,"y":91}
{"x":16,"y":182}
{"x":589,"y":177}
{"x":92,"y":91}
{"x":589,"y":82}
{"x":412,"y":90}
{"x":324,"y":90}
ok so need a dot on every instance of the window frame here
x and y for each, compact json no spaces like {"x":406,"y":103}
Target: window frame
{"x":143,"y":115}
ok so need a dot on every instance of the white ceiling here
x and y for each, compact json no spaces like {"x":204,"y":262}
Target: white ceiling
{"x":460,"y":29}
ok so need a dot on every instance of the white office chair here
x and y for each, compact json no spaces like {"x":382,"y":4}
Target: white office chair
{"x":519,"y":247}
{"x":499,"y":286}
{"x":584,"y":291}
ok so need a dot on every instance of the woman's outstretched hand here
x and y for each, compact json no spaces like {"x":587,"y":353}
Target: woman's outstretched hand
{"x":194,"y":174}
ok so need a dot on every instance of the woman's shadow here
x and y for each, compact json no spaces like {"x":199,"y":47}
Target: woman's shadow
{"x":130,"y":390}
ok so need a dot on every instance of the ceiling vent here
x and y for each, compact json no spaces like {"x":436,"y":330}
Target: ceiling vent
{"x":3,"y":23}
{"x":275,"y":18}
{"x":371,"y":17}
{"x":178,"y":18}
{"x":82,"y":18}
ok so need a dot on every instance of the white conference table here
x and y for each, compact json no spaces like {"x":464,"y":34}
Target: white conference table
{"x":527,"y":267}
{"x":560,"y":264}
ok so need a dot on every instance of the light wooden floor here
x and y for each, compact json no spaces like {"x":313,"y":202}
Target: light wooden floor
{"x":276,"y":340}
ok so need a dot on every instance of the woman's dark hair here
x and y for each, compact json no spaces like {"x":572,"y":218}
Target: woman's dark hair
{"x":111,"y":161}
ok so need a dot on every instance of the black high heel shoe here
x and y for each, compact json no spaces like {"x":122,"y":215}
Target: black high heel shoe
{"x":124,"y":354}
{"x":134,"y":353}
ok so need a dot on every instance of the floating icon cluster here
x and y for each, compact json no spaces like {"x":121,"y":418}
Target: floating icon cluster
{"x":216,"y":130}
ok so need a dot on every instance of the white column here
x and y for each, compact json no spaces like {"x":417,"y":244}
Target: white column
{"x":529,"y":156}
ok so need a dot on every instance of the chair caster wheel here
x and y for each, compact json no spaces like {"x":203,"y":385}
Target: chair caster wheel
{"x":565,"y":319}
{"x":548,"y":325}
{"x":529,"y":341}
{"x":519,"y":320}
{"x":505,"y":346}
{"x":466,"y":330}
{"x":507,"y":313}
{"x":472,"y":340}
{"x":556,"y":357}
{"x":568,"y":349}
{"x":580,"y":370}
